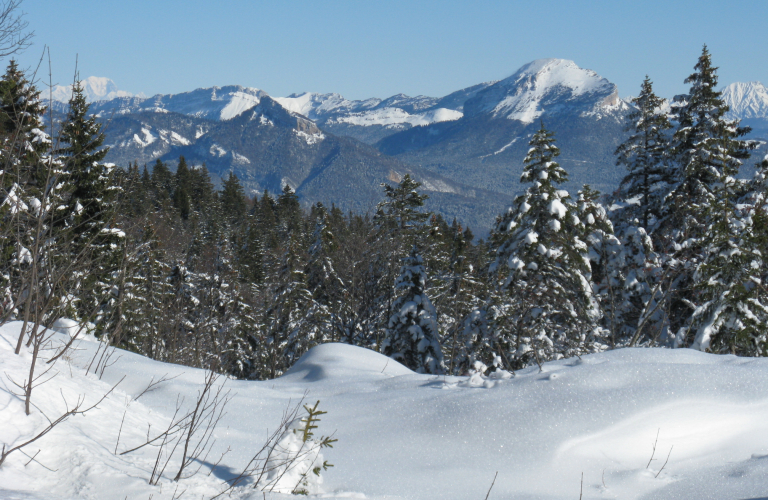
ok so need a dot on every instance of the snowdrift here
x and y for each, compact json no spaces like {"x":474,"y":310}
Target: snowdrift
{"x":403,"y":435}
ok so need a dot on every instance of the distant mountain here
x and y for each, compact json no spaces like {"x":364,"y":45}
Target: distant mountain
{"x":373,"y":119}
{"x":485,"y":147}
{"x":267,"y":147}
{"x":749,"y":103}
{"x":215,"y":103}
{"x":95,"y":89}
{"x":467,"y":147}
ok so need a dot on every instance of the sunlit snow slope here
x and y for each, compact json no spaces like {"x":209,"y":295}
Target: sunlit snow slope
{"x":402,"y":435}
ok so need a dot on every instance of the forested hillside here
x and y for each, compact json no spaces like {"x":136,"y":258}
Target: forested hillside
{"x":161,"y":263}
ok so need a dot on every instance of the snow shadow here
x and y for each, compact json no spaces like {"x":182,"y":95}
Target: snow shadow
{"x":225,"y":473}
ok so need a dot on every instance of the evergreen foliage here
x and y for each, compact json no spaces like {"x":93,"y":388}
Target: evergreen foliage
{"x":412,"y":336}
{"x":544,"y":307}
{"x":645,"y":154}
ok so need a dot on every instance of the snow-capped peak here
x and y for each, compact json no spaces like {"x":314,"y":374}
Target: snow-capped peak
{"x":95,"y":88}
{"x":313,"y":105}
{"x":746,"y":100}
{"x":533,"y":88}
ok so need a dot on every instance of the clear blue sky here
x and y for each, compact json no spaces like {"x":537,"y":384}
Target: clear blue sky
{"x":378,"y":48}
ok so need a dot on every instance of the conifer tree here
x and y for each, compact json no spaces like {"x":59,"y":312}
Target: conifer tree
{"x":181,"y":195}
{"x":91,"y":205}
{"x":412,"y":335}
{"x":399,"y":225}
{"x":645,"y":154}
{"x":289,"y":319}
{"x":541,"y":267}
{"x":708,"y":151}
{"x":21,"y":128}
{"x":325,"y":284}
{"x":148,"y":292}
{"x":234,"y":205}
{"x":732,"y":303}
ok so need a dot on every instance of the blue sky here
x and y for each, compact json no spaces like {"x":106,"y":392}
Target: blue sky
{"x":366,"y":49}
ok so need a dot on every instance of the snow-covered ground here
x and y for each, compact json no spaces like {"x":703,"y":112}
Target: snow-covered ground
{"x":402,"y":435}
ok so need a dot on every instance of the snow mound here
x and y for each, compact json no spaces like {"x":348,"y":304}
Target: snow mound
{"x":343,"y":361}
{"x":404,"y":435}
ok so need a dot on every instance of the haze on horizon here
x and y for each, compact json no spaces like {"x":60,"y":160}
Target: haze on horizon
{"x":362,"y":49}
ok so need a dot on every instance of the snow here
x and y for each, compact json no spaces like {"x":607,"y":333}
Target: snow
{"x":238,"y":158}
{"x":95,"y":88}
{"x":216,"y":150}
{"x":310,"y":139}
{"x":146,"y":139}
{"x":525,"y":95}
{"x":239,"y":102}
{"x":403,"y":435}
{"x":439,"y":186}
{"x":397,"y":116}
{"x":174,"y":138}
{"x":746,"y":100}
{"x":557,"y":208}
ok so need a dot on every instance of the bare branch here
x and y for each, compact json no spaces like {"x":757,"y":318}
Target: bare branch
{"x":75,"y":410}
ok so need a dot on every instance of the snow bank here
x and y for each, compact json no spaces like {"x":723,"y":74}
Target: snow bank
{"x":403,"y":435}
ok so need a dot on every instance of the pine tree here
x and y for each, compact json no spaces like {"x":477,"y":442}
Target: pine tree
{"x":412,"y":335}
{"x":91,"y":205}
{"x":645,"y":154}
{"x":181,"y":195}
{"x":732,"y":303}
{"x":325,"y":284}
{"x":234,"y":205}
{"x":541,"y":267}
{"x":707,"y":152}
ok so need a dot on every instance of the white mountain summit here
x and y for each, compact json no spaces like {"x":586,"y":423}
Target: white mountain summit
{"x":543,"y":85}
{"x":95,"y":88}
{"x":746,"y":100}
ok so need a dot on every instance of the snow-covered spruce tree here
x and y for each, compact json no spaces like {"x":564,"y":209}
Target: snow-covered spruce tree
{"x":91,"y":214}
{"x":399,"y":224}
{"x":544,"y":307}
{"x":412,"y":335}
{"x":327,"y":288}
{"x":623,"y":268}
{"x":645,"y":154}
{"x":147,"y":293}
{"x":707,"y":151}
{"x":731,"y":299}
{"x":291,"y":325}
{"x":456,"y":291}
{"x":24,"y":169}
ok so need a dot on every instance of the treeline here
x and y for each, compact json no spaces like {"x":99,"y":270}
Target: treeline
{"x":161,"y":263}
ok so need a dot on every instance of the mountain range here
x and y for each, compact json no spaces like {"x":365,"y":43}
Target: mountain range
{"x":466,"y":148}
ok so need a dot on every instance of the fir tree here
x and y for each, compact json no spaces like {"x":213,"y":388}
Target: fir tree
{"x":645,"y":154}
{"x":732,"y":303}
{"x":91,"y":205}
{"x":412,"y":336}
{"x":541,"y":267}
{"x":181,"y":195}
{"x":234,"y":205}
{"x":707,"y":152}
